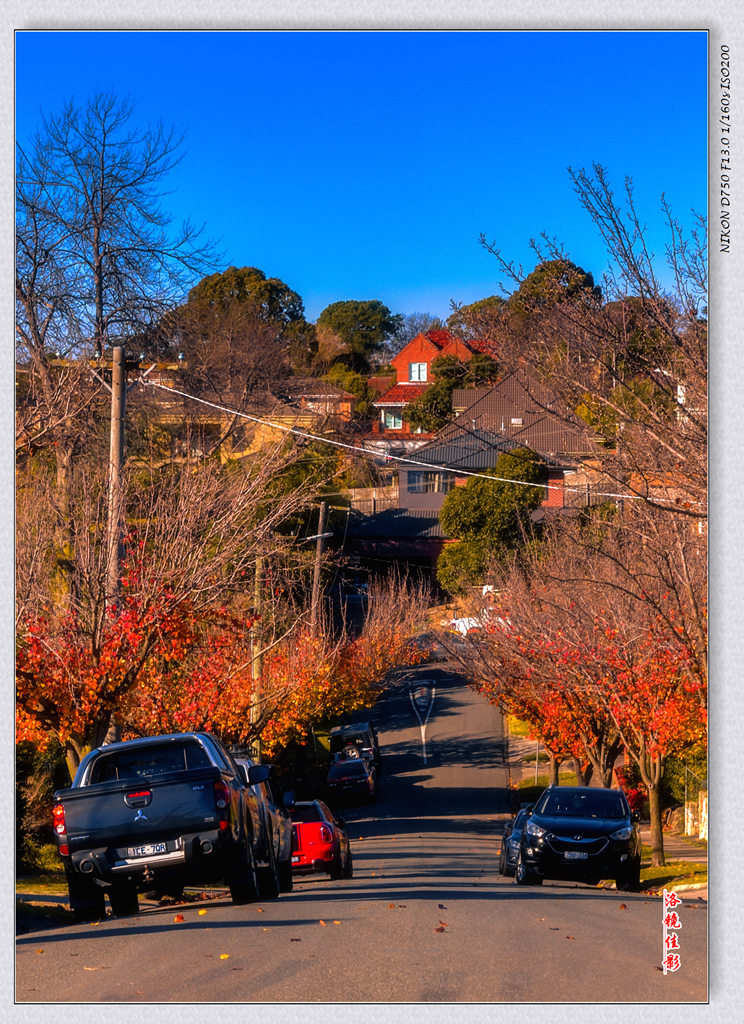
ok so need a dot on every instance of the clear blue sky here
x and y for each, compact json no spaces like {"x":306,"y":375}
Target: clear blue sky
{"x":366,"y":165}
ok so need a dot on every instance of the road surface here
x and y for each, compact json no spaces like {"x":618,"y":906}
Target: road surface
{"x":426,"y":917}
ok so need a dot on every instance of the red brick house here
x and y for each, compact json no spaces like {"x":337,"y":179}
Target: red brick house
{"x":413,"y":375}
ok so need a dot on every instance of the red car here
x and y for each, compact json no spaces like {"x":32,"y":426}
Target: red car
{"x":319,"y":841}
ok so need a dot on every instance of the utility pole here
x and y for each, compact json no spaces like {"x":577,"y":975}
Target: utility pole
{"x":256,"y":655}
{"x":116,"y":465}
{"x":318,"y":555}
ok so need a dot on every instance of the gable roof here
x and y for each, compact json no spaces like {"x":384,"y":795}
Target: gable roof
{"x":524,"y":411}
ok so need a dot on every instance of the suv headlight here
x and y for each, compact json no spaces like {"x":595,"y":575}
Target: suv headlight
{"x":534,"y":830}
{"x":622,"y":833}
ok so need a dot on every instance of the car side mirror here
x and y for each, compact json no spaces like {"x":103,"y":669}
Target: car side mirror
{"x":341,"y":822}
{"x":258,"y":773}
{"x":288,"y":799}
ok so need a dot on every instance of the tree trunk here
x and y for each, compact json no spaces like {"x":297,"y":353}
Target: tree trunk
{"x":657,"y":836}
{"x":555,"y":763}
{"x":583,"y":774}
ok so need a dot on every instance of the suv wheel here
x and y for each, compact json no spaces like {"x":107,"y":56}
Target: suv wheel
{"x":524,"y":875}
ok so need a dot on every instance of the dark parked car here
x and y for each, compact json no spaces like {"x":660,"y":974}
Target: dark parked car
{"x":359,"y":740}
{"x":580,"y":833}
{"x":275,"y":834}
{"x":350,"y":779}
{"x":157,"y":813}
{"x":510,"y":841}
{"x":319,"y":841}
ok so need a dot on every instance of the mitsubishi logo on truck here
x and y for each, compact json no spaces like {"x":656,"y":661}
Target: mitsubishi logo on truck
{"x":139,"y":816}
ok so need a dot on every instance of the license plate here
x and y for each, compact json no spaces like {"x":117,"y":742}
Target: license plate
{"x":146,"y":851}
{"x":295,"y":860}
{"x":575,"y":855}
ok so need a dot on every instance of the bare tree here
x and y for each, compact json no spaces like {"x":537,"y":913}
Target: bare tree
{"x":629,"y":365}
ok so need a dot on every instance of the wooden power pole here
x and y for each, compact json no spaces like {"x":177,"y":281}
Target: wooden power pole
{"x":322,"y":517}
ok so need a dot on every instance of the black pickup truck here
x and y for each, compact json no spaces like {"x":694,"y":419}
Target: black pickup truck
{"x":157,"y":813}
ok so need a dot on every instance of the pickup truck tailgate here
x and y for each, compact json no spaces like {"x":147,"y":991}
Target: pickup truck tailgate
{"x":144,"y":810}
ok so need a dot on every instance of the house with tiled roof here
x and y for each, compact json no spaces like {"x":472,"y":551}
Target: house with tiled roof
{"x":517,"y":412}
{"x":414,"y":374}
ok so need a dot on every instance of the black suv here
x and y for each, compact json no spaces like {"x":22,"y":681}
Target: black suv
{"x":582,"y":834}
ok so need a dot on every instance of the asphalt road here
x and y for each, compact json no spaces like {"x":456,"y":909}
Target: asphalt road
{"x":426,"y":917}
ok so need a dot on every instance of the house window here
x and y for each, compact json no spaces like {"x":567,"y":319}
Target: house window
{"x":417,"y":371}
{"x":392,"y":420}
{"x":429,"y":482}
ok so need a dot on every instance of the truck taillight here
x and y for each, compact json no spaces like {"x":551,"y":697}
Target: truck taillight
{"x":325,"y":834}
{"x":60,"y":829}
{"x":222,"y":799}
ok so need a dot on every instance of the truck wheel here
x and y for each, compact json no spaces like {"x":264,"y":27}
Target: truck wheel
{"x":123,"y":899}
{"x":86,"y":898}
{"x":286,"y":882}
{"x":242,"y":879}
{"x":268,"y":878}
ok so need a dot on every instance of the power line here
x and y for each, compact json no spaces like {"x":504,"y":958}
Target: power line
{"x":367,"y":454}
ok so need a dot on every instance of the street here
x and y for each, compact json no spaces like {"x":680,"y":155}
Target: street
{"x":426,"y":917}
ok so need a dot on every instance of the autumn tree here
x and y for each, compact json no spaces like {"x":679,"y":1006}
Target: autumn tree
{"x":194,"y":538}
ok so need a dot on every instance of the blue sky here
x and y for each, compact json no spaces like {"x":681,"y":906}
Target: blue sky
{"x":366,"y":165}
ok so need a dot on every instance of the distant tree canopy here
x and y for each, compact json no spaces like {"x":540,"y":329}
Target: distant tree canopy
{"x":247,"y":294}
{"x":471,"y":321}
{"x":350,"y":332}
{"x":433,"y":409}
{"x":551,"y":283}
{"x":487,"y":518}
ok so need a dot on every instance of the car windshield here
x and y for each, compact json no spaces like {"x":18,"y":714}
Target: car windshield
{"x":305,"y":812}
{"x":143,"y":762}
{"x":346,"y":769}
{"x":591,"y":803}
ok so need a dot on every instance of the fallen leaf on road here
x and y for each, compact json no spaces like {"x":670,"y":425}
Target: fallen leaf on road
{"x":570,"y":936}
{"x":444,"y":923}
{"x":295,"y":940}
{"x":202,"y":913}
{"x":178,"y":918}
{"x":623,"y":906}
{"x":554,"y":929}
{"x":337,"y":922}
{"x":323,"y":923}
{"x":91,"y":968}
{"x":38,"y":951}
{"x":224,"y":956}
{"x":259,"y":910}
{"x":391,"y":906}
{"x":441,"y":906}
{"x":440,"y":929}
{"x":402,"y":906}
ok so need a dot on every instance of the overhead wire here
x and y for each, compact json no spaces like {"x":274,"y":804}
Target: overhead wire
{"x":386,"y":456}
